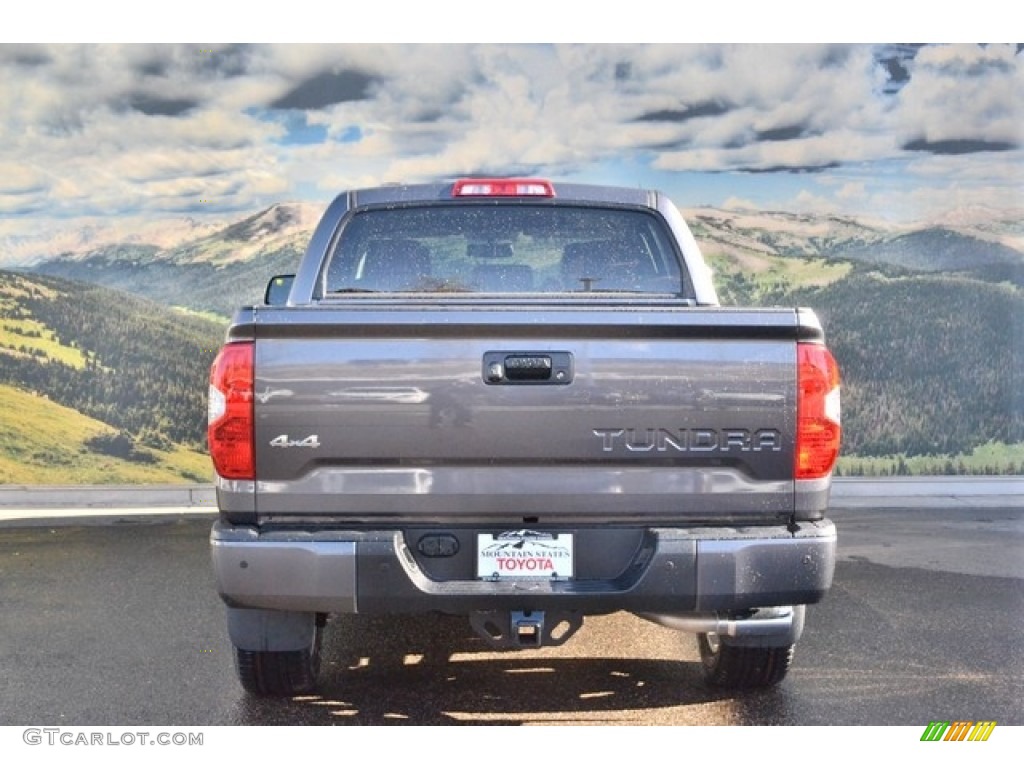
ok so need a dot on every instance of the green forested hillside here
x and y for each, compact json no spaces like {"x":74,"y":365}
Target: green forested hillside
{"x":138,"y":367}
{"x":42,"y":442}
{"x":931,"y":364}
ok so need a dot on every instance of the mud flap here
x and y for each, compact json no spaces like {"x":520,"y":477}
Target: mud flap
{"x":253,"y":629}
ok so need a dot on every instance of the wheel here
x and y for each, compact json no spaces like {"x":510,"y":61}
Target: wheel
{"x":732,"y":666}
{"x":280,"y":673}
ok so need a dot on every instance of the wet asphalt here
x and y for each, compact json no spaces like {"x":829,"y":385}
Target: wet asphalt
{"x":118,"y":623}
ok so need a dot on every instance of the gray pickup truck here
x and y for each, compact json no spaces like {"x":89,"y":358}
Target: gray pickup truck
{"x":520,"y":402}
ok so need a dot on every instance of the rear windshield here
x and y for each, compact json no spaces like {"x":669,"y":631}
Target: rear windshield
{"x":467,"y":248}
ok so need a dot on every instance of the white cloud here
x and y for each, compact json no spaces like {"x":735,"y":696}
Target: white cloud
{"x":852,"y":191}
{"x":740,"y":204}
{"x":144,"y":130}
{"x":19,"y":178}
{"x":964,"y":92}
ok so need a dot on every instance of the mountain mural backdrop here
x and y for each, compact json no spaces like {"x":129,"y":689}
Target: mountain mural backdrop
{"x":105,"y":349}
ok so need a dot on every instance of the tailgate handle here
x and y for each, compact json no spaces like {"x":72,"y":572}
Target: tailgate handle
{"x":527,"y":367}
{"x":524,"y":367}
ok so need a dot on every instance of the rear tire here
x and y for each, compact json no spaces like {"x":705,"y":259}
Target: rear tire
{"x":280,"y":673}
{"x":732,"y":666}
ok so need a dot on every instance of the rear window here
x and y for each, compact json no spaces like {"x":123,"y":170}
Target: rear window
{"x":511,"y":248}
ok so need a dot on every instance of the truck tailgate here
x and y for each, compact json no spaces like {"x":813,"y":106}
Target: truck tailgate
{"x":366,"y":412}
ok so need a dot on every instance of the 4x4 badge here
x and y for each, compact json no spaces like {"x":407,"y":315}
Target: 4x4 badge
{"x":282,"y":441}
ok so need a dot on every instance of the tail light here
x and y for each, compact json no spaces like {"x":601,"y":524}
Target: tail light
{"x":818,"y":427}
{"x":229,"y":414}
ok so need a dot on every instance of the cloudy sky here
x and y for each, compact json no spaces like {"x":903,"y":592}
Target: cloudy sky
{"x":93,"y":134}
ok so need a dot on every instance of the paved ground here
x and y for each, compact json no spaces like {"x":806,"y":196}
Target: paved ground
{"x":117,"y":623}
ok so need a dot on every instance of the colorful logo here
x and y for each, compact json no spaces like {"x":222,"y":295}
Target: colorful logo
{"x":959,"y":730}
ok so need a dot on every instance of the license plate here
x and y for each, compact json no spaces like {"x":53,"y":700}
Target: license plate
{"x":524,"y":554}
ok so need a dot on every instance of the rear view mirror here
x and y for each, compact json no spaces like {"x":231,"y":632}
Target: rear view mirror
{"x":278,"y":289}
